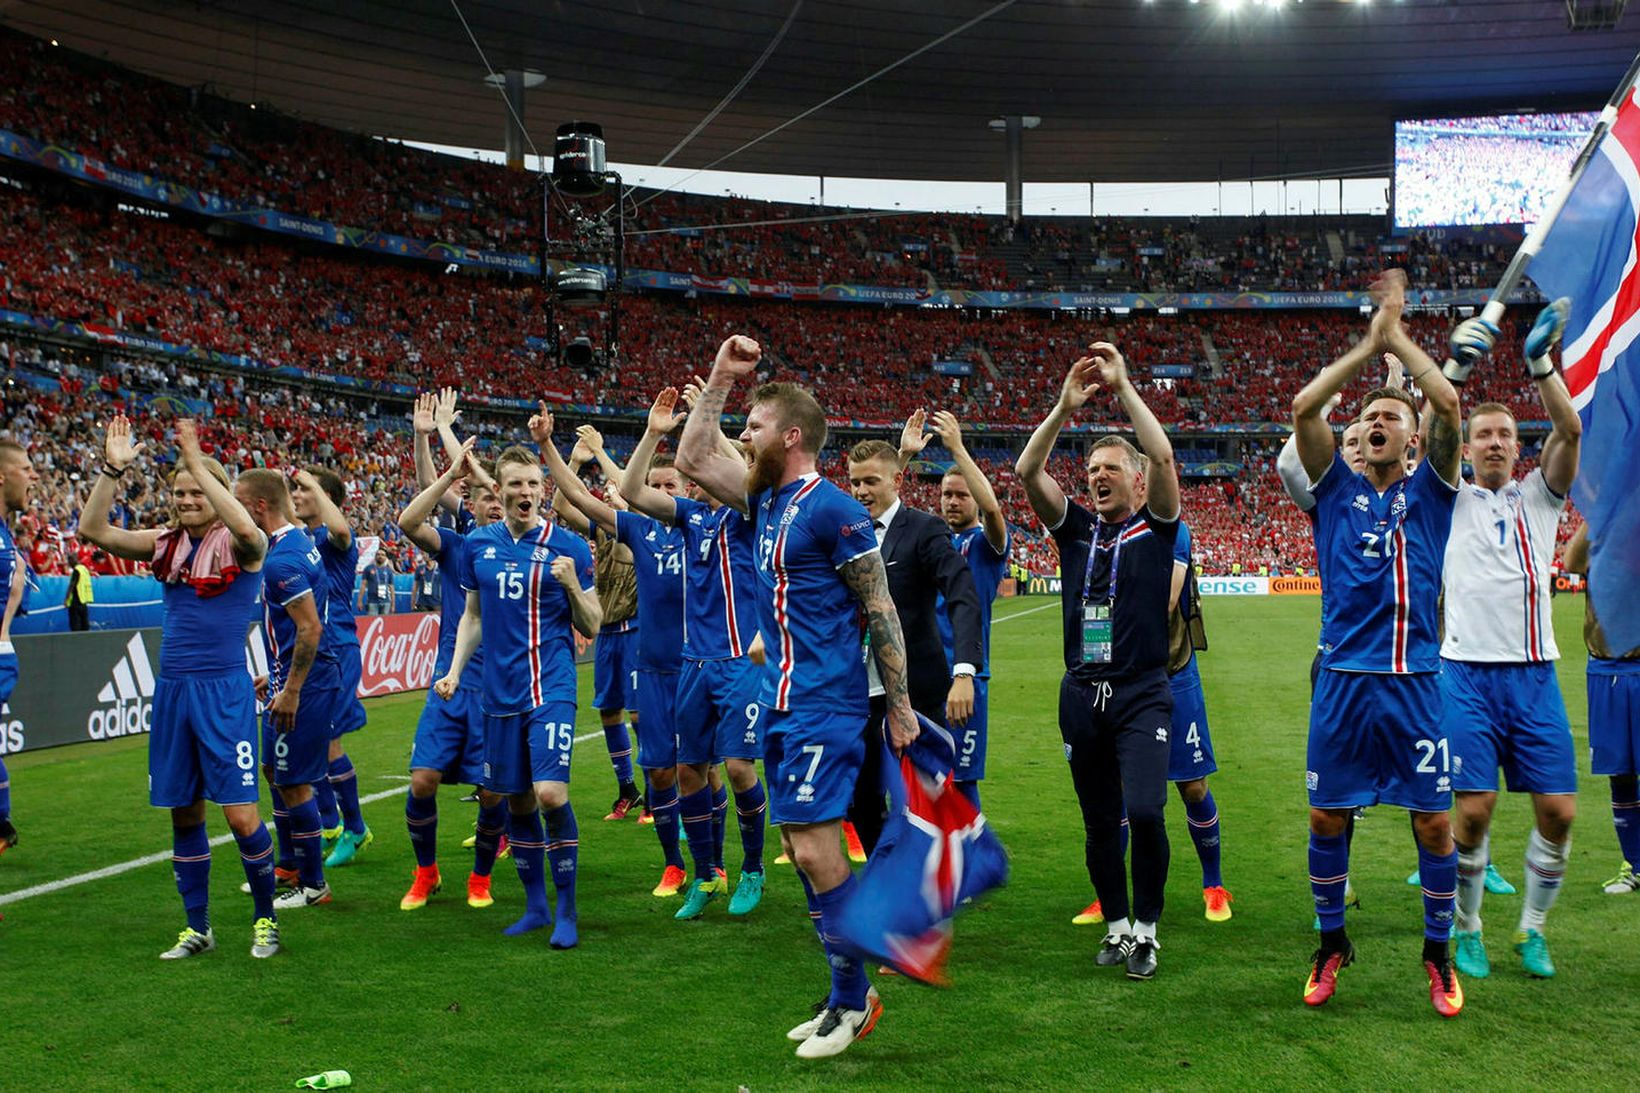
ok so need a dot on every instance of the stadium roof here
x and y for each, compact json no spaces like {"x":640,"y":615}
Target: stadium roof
{"x":1127,"y":90}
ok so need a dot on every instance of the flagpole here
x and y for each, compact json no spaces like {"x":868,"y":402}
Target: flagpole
{"x":1493,"y":311}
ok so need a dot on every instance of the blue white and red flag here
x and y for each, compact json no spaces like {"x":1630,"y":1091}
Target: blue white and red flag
{"x":1590,"y":255}
{"x":936,"y":851}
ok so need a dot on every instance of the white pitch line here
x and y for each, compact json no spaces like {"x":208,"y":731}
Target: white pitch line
{"x":1022,"y":614}
{"x":165,"y":855}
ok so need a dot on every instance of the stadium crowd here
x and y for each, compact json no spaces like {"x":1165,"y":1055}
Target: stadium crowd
{"x":262,"y":158}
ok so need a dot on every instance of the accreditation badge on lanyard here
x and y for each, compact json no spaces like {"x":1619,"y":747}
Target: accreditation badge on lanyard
{"x":1098,"y":633}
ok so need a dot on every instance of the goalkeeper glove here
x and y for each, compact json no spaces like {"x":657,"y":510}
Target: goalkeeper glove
{"x":1471,"y":340}
{"x":1546,"y":331}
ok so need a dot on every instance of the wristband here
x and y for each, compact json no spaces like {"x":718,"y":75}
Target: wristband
{"x":112,"y":473}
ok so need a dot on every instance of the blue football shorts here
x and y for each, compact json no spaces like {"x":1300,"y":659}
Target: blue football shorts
{"x":202,"y":740}
{"x":811,"y":760}
{"x":718,"y":716}
{"x":1191,"y":756}
{"x":615,"y":670}
{"x":1509,"y":716}
{"x":450,"y":736}
{"x":350,"y":715}
{"x":302,"y":756}
{"x":657,"y":724}
{"x":971,"y":737}
{"x":8,"y":671}
{"x":1377,"y":739}
{"x":522,"y":749}
{"x":1614,"y":717}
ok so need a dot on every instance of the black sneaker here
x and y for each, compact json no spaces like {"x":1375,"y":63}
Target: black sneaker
{"x":1114,"y":950}
{"x":1141,"y":961}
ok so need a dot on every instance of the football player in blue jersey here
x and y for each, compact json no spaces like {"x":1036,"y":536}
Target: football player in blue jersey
{"x":318,"y":495}
{"x":615,"y":653}
{"x":529,"y":587}
{"x":1375,"y":727}
{"x":17,"y":478}
{"x":818,"y":569}
{"x":203,"y":741}
{"x":980,"y":533}
{"x":658,"y":564}
{"x":449,"y":740}
{"x":1192,"y":758}
{"x":718,"y":715}
{"x":302,"y":689}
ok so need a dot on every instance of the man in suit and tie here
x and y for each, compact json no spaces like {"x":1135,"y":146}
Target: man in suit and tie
{"x":922,"y":565}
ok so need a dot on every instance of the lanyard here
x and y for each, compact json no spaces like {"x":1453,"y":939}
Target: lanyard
{"x":1094,"y":547}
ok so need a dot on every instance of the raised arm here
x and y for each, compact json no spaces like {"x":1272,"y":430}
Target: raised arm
{"x":568,"y":482}
{"x":664,"y":416}
{"x":1161,"y":477}
{"x":422,"y":425}
{"x":990,"y":509}
{"x":119,"y":454}
{"x":956,"y":583}
{"x":699,"y":456}
{"x":1312,"y":435}
{"x":413,"y":520}
{"x":249,"y":544}
{"x":572,"y":517}
{"x":1444,"y":446}
{"x":1047,"y":499}
{"x":341,"y":533}
{"x":912,"y":437}
{"x":594,"y":440}
{"x":868,"y":580}
{"x":1560,"y":453}
{"x":1575,"y":558}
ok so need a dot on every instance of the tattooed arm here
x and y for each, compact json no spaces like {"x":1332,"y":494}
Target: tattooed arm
{"x":698,"y":454}
{"x":868,"y":580}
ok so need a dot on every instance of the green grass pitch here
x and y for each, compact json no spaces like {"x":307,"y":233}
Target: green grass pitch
{"x":439,"y":999}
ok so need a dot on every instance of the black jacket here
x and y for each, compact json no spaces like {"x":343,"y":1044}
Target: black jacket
{"x":921,"y":562}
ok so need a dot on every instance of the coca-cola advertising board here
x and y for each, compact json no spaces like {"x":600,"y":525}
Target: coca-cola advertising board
{"x":397,"y":652}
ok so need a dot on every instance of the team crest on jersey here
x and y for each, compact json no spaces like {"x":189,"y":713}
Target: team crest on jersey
{"x":1360,"y":503}
{"x":1311,"y":780}
{"x":539,"y":554}
{"x":1399,"y":505}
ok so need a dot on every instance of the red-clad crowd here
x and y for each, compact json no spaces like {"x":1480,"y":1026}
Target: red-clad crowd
{"x":262,"y":158}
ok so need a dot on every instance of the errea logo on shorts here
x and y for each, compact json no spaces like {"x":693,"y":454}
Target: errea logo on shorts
{"x":126,"y":709}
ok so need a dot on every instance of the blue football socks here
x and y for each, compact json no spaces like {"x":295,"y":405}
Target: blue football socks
{"x":492,"y":822}
{"x":1329,"y":874}
{"x":563,"y":853}
{"x":305,"y":836}
{"x":421,"y":818}
{"x":751,"y":810}
{"x":618,"y":739}
{"x":663,"y":806}
{"x":529,"y":851}
{"x":697,"y":827}
{"x":345,"y":781}
{"x":1204,"y":832}
{"x":191,"y":864}
{"x":256,"y":855}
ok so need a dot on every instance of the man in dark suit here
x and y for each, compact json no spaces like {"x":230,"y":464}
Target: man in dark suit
{"x":922,"y":565}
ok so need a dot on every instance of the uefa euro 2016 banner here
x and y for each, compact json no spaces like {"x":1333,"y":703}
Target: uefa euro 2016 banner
{"x":77,"y":165}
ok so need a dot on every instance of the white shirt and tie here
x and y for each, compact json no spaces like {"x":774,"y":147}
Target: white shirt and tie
{"x":881,"y":525}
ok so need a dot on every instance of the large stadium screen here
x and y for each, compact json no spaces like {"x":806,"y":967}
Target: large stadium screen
{"x":1499,"y":169}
